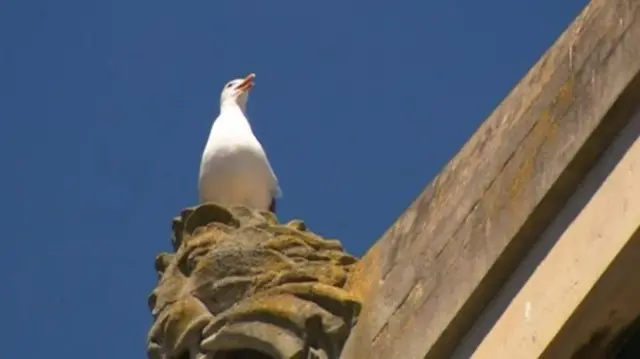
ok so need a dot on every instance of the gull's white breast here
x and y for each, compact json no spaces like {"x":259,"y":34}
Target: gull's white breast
{"x":234,"y":169}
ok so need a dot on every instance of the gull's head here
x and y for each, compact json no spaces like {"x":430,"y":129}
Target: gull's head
{"x":236,"y":92}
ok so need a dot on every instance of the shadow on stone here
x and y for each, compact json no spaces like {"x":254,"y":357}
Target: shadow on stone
{"x":241,"y":354}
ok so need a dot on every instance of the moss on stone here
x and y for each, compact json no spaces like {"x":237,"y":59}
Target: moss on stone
{"x":235,"y":265}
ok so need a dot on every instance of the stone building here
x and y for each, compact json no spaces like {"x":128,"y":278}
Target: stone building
{"x":526,"y":245}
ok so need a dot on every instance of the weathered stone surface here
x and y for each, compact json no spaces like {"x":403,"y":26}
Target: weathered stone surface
{"x":578,"y":287}
{"x":241,"y":285}
{"x":433,"y":272}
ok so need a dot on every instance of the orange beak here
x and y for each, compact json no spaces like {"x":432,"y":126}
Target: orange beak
{"x":247,"y":83}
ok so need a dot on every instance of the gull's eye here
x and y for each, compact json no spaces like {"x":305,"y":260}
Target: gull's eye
{"x":229,"y":85}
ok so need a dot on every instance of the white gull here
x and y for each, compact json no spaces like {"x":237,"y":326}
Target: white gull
{"x":234,"y":169}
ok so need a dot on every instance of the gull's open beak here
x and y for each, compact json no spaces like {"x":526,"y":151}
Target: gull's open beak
{"x":247,"y":83}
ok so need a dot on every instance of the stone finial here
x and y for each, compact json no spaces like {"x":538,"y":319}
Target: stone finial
{"x":241,"y":285}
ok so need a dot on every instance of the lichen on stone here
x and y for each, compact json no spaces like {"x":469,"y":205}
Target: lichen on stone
{"x":242,"y":285}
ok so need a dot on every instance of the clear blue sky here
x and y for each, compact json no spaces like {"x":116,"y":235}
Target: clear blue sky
{"x":106,"y":105}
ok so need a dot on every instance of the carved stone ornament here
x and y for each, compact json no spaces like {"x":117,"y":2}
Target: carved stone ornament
{"x":241,"y":285}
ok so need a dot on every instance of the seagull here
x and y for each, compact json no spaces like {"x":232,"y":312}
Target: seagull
{"x":234,"y":169}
